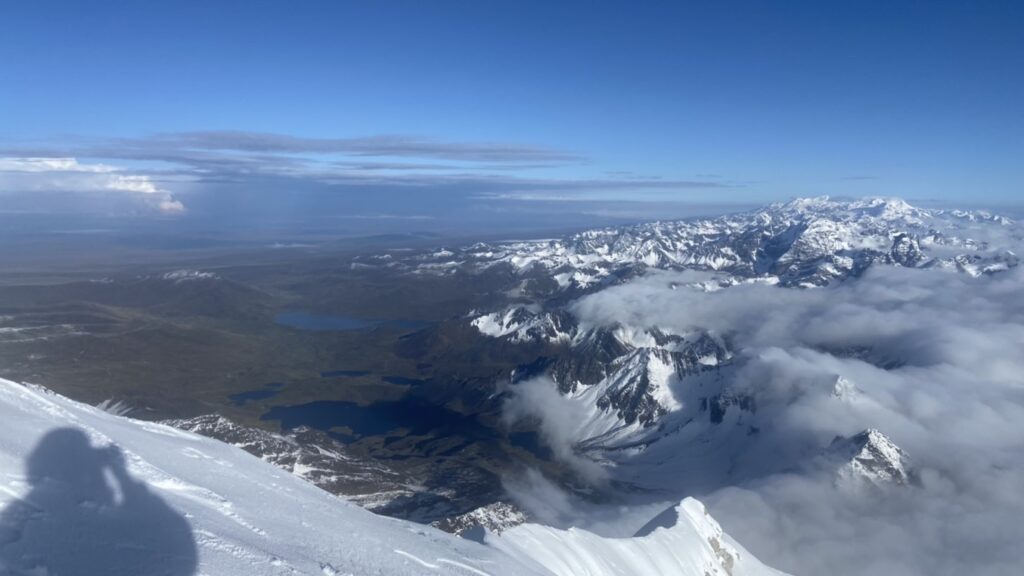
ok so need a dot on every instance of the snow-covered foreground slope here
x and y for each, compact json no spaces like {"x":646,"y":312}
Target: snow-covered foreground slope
{"x":87,"y":492}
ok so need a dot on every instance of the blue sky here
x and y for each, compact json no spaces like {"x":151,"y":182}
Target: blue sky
{"x":441,"y":103}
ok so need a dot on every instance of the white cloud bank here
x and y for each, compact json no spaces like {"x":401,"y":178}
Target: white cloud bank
{"x":46,"y":184}
{"x":937,"y":362}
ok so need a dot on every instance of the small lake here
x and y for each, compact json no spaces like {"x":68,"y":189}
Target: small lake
{"x":271,"y":390}
{"x":375,"y":419}
{"x":328,"y":323}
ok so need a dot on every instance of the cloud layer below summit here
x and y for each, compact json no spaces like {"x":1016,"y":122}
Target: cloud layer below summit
{"x":935,"y":359}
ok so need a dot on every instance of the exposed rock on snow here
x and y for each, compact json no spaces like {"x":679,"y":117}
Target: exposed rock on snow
{"x":869,"y":457}
{"x":496,"y":518}
{"x":309,"y":454}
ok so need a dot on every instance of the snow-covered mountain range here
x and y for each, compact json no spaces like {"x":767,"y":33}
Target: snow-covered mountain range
{"x":805,"y":242}
{"x":88,"y":492}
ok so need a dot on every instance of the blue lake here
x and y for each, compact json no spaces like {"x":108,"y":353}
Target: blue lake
{"x":328,"y":323}
{"x":375,"y":419}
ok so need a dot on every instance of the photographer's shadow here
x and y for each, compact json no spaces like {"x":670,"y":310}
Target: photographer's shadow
{"x":86,"y":515}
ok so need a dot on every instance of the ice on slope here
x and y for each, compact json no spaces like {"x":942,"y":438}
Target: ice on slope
{"x":240,"y":515}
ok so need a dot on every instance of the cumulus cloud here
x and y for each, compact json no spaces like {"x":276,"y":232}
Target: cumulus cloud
{"x":934,"y":361}
{"x":45,"y":184}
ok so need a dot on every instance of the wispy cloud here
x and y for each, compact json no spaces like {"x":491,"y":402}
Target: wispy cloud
{"x":391,"y":146}
{"x":259,"y":166}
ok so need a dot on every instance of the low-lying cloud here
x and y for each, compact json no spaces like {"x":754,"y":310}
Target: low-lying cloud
{"x":557,"y":418}
{"x":935,"y":362}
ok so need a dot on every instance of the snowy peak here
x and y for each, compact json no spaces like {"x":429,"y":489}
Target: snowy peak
{"x":889,"y":209}
{"x":895,"y":210}
{"x":870,"y":457}
{"x":640,"y":384}
{"x":589,"y":358}
{"x":639,"y":389}
{"x":628,"y":372}
{"x":520,"y":324}
{"x":981,"y":216}
{"x":905,"y":250}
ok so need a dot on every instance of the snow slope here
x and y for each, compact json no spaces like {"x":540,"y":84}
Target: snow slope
{"x":661,"y":547}
{"x":87,"y":492}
